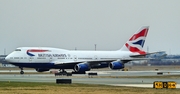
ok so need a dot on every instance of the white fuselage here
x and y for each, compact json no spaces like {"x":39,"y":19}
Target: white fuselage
{"x":56,"y":56}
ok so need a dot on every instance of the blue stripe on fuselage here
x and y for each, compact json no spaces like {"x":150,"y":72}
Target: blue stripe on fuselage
{"x":44,"y":65}
{"x":53,"y":66}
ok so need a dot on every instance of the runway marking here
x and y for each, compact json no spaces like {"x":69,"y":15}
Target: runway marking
{"x":139,"y":85}
{"x":131,"y":82}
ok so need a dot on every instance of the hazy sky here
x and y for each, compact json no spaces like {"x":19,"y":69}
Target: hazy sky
{"x":82,"y":23}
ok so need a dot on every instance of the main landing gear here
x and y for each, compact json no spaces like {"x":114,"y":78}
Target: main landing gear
{"x":21,"y":72}
{"x":63,"y":72}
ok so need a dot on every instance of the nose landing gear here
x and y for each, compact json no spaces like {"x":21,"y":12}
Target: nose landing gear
{"x":21,"y":72}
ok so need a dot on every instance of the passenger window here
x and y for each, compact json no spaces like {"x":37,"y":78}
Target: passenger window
{"x":31,"y":58}
{"x":16,"y":57}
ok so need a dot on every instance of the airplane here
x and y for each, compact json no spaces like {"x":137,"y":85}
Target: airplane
{"x":46,"y":58}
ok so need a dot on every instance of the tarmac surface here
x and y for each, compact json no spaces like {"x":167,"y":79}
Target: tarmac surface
{"x":115,"y":78}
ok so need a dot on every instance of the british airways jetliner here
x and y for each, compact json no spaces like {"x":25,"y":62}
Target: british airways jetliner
{"x":46,"y":58}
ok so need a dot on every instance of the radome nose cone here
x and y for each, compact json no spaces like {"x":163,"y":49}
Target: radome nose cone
{"x":7,"y":58}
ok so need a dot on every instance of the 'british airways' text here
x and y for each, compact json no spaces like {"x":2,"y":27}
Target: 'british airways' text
{"x":52,"y":55}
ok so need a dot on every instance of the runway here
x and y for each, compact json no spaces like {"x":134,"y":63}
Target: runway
{"x":115,"y":78}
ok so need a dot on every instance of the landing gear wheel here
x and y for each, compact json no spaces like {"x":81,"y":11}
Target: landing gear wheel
{"x":63,"y":72}
{"x":21,"y":72}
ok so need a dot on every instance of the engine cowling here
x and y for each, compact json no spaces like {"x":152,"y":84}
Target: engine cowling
{"x":116,"y":65}
{"x":42,"y":70}
{"x":82,"y":67}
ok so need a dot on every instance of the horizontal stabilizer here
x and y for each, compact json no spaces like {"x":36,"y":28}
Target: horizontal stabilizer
{"x":143,"y":55}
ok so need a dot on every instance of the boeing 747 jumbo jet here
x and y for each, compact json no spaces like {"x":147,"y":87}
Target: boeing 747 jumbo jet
{"x":46,"y":58}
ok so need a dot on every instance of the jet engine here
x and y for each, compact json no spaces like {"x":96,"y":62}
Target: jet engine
{"x":82,"y":67}
{"x":116,"y":65}
{"x":41,"y":70}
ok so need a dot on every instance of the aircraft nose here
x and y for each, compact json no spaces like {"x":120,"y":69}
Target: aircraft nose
{"x":7,"y":58}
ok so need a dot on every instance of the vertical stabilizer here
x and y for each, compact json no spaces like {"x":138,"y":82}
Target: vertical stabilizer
{"x":136,"y":42}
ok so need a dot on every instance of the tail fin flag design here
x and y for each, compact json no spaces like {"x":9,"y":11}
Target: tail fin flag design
{"x":136,"y":42}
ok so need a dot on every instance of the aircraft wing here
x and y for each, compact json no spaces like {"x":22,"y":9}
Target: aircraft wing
{"x":91,"y":62}
{"x":134,"y":59}
{"x":88,"y":61}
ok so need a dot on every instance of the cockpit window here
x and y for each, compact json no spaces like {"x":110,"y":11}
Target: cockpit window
{"x":18,"y":50}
